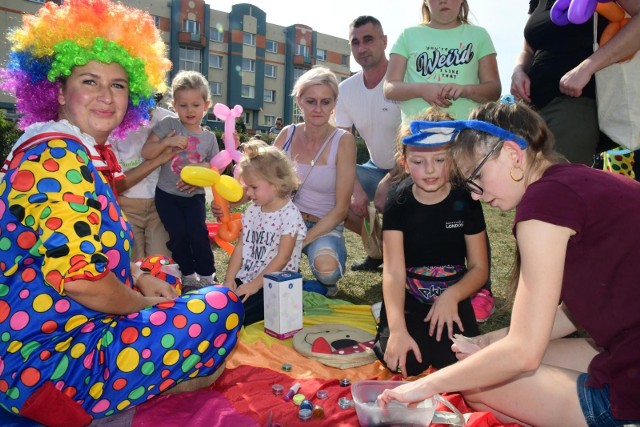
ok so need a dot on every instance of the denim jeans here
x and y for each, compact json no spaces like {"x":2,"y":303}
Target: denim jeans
{"x":332,"y":244}
{"x":369,"y":176}
{"x":596,"y":406}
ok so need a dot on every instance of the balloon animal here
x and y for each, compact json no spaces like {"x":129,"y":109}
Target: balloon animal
{"x":617,"y":18}
{"x":225,"y":189}
{"x":230,"y":152}
{"x":565,"y":12}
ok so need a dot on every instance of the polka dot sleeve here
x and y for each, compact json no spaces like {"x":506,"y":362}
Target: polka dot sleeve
{"x":54,"y":197}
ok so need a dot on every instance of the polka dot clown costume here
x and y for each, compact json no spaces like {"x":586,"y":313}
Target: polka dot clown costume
{"x":62,"y":362}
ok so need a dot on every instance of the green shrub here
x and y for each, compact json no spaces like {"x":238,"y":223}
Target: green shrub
{"x":9,"y":134}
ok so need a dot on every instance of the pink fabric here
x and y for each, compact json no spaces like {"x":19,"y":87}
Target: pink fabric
{"x":199,"y":408}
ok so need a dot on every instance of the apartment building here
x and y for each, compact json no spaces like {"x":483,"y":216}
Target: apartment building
{"x":247,"y":60}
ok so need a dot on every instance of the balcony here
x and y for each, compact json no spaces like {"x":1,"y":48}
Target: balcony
{"x":197,"y":40}
{"x":304,"y":60}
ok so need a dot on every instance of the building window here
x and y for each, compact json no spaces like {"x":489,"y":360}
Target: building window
{"x":297,"y":72}
{"x":216,"y":88}
{"x":246,"y":117}
{"x":190,"y":26}
{"x":302,"y":50}
{"x":156,"y":21}
{"x":216,"y":35}
{"x":190,"y":59}
{"x":248,"y":91}
{"x":215,"y":61}
{"x":212,"y":117}
{"x":270,"y":71}
{"x":269,"y":95}
{"x":345,"y":60}
{"x":249,"y":65}
{"x":269,"y":120}
{"x":321,"y":55}
{"x":297,"y":113}
{"x":272,"y":46}
{"x":249,"y":39}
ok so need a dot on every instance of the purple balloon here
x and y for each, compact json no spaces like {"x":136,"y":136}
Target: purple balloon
{"x":559,"y":12}
{"x":581,"y":10}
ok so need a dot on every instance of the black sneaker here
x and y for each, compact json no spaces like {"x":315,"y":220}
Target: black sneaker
{"x":367,"y":264}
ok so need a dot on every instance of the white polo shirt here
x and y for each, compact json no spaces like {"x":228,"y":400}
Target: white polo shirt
{"x":375,"y":117}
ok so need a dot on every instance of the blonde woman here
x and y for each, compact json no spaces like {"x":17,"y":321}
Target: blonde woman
{"x":325,"y":157}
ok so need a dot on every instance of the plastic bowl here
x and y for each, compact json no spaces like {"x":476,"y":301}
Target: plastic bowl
{"x":369,"y":413}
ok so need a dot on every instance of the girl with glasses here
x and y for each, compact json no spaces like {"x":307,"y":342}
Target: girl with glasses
{"x":576,"y":233}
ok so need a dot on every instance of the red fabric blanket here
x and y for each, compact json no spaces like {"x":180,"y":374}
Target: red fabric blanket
{"x":242,"y":396}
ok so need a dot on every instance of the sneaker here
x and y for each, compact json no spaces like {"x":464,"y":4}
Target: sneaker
{"x":375,"y":310}
{"x":190,"y":284}
{"x":367,"y":264}
{"x":203,"y":282}
{"x":483,"y":305}
{"x":332,"y":291}
{"x":313,"y":286}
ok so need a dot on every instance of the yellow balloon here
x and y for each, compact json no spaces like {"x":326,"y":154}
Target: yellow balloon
{"x":199,"y":176}
{"x":229,"y":188}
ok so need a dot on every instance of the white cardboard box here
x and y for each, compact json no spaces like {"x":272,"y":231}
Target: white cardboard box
{"x":282,"y":304}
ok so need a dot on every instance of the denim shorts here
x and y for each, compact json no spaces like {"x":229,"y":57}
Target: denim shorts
{"x":596,"y":406}
{"x":334,"y":241}
{"x":369,"y":176}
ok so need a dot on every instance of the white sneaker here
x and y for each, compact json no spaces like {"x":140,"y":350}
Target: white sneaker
{"x":375,"y":310}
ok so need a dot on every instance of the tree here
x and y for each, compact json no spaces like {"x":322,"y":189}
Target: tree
{"x":9,"y":134}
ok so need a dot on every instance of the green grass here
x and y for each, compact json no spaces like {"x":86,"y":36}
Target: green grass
{"x":366,"y":287}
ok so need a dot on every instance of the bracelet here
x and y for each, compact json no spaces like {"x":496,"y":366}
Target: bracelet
{"x":137,"y":276}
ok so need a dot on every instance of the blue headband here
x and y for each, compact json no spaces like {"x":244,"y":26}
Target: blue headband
{"x":434,"y":134}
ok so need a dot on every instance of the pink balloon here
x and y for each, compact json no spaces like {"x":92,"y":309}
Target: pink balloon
{"x":221,"y":160}
{"x":229,"y":115}
{"x":236,"y":155}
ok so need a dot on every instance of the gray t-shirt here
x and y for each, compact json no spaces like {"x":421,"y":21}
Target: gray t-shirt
{"x":201,"y":147}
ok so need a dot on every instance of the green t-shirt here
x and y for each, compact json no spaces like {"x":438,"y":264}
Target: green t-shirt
{"x":442,"y":56}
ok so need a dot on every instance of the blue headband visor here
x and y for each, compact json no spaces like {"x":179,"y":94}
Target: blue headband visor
{"x":434,"y":134}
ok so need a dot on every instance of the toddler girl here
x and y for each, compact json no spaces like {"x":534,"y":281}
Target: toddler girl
{"x":272,"y":227}
{"x":181,"y":206}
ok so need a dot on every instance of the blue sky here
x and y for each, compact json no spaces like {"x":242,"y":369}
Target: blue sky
{"x":503,"y":19}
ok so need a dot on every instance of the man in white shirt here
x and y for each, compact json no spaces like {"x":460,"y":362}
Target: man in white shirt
{"x":362,"y":104}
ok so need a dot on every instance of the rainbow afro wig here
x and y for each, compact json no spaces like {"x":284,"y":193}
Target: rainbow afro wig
{"x":48,"y":45}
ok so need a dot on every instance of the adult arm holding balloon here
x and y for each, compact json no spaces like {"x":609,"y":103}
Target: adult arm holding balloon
{"x":554,"y":72}
{"x":623,"y":44}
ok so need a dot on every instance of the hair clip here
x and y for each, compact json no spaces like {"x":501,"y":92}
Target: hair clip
{"x":508,"y":99}
{"x":433,"y":134}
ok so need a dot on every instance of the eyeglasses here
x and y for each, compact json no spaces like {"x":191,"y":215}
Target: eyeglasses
{"x":471,"y":185}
